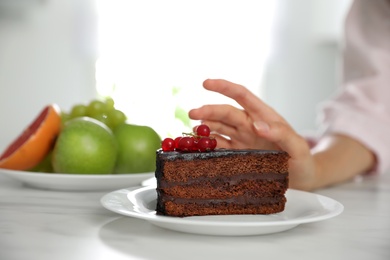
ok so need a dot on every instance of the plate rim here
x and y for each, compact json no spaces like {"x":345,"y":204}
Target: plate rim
{"x":9,"y":172}
{"x":76,"y":182}
{"x":196,"y":220}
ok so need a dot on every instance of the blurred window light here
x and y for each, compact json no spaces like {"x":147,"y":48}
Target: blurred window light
{"x":154,"y":55}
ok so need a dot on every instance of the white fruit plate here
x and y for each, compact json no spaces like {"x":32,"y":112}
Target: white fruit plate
{"x":77,"y":182}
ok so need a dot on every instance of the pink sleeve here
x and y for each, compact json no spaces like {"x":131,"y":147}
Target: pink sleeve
{"x":362,"y":107}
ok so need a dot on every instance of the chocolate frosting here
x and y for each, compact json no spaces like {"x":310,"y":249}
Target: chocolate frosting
{"x":231,"y":180}
{"x":174,"y":155}
{"x":239,"y":200}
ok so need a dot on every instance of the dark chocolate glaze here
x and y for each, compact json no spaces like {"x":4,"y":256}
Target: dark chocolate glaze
{"x":212,"y":154}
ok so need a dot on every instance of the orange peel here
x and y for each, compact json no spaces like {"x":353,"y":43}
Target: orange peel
{"x":35,"y":142}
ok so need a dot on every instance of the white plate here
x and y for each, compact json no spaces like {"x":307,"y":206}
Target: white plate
{"x":301,"y":207}
{"x":77,"y":182}
{"x":152,"y":182}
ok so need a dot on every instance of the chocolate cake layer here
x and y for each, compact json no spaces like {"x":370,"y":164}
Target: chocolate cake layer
{"x":184,"y":166}
{"x":219,"y":188}
{"x":221,"y":182}
{"x":238,"y":200}
{"x":171,"y":208}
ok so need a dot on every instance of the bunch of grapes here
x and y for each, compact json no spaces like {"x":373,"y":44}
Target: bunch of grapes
{"x":102,"y":110}
{"x":199,"y":141}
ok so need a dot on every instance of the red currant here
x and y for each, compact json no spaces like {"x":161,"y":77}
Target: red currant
{"x":203,"y":130}
{"x":213,"y":143}
{"x":186,"y":144}
{"x":195,"y":145}
{"x":168,"y":144}
{"x":197,"y":141}
{"x":177,"y":139}
{"x":204,"y":144}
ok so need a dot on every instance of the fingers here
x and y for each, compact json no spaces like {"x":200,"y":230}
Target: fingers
{"x":222,"y":142}
{"x":257,"y":126}
{"x":253,"y":105}
{"x":230,"y":122}
{"x":221,"y":128}
{"x":225,"y":114}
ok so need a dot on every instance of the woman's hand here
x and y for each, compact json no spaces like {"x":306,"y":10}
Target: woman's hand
{"x":256,"y":126}
{"x":335,"y":158}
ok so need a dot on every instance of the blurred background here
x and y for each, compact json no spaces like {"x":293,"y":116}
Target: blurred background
{"x":152,"y":56}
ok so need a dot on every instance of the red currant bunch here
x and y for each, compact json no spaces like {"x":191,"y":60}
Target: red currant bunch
{"x":197,"y":141}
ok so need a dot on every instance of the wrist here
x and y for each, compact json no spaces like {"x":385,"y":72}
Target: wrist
{"x":338,"y":158}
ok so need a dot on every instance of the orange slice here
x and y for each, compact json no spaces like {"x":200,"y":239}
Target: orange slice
{"x":36,"y":141}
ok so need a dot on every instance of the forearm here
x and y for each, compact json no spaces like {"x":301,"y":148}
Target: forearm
{"x":339,"y":158}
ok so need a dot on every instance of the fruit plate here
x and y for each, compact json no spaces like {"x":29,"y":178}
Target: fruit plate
{"x":77,"y":182}
{"x":301,"y":207}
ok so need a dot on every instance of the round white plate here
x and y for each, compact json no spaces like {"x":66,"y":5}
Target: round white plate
{"x":152,"y":182}
{"x":77,"y":182}
{"x":301,"y":207}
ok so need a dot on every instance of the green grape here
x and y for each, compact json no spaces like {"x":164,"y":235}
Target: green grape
{"x":116,"y":117}
{"x":64,"y":117}
{"x":96,"y":108}
{"x":104,"y":111}
{"x":102,"y":118}
{"x":109,"y":104}
{"x":78,"y":111}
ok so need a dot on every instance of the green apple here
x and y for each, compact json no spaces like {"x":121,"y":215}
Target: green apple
{"x":137,"y":147}
{"x":85,"y":146}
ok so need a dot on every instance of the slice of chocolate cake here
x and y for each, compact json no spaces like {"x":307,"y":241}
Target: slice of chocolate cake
{"x":221,"y":182}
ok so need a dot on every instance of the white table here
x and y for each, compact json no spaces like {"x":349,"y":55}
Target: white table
{"x":44,"y":224}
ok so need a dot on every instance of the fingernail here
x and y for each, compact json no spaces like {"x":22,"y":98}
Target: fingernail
{"x":261,"y":126}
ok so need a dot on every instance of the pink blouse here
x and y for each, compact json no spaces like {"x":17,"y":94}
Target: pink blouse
{"x":361,"y":108}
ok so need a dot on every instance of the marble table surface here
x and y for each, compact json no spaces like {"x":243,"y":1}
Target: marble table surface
{"x":46,"y":224}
